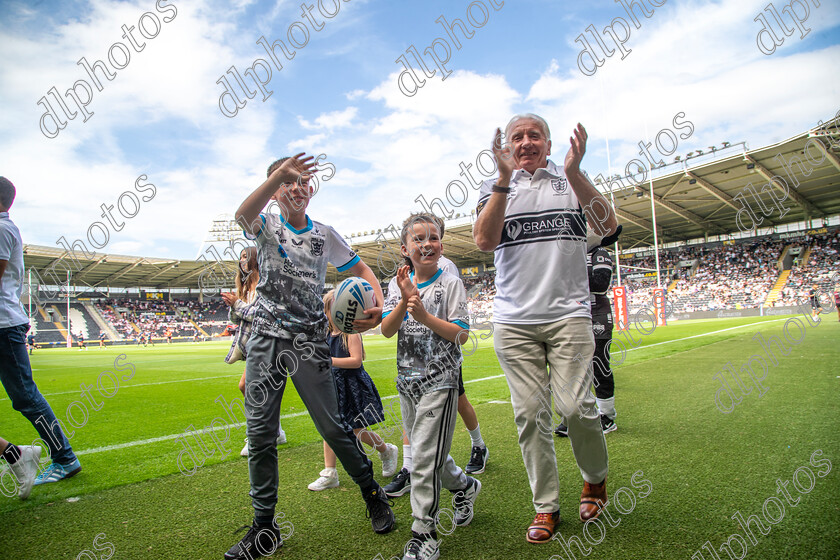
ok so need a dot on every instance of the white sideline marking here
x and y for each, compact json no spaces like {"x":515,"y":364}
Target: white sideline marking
{"x":296,"y":414}
{"x":144,"y":384}
{"x":217,"y":428}
{"x":702,"y":334}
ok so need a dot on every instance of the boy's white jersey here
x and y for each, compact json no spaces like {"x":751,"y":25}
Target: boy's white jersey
{"x":423,"y":355}
{"x":293,"y":268}
{"x":541,"y":259}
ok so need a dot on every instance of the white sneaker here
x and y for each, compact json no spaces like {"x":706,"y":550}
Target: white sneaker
{"x":26,"y":469}
{"x":281,"y":438}
{"x":422,"y":547}
{"x":244,"y":452}
{"x":389,"y":460}
{"x":328,"y":479}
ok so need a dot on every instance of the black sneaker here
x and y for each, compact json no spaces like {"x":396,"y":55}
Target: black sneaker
{"x":608,"y":424}
{"x":257,"y":542}
{"x":399,"y":485}
{"x":478,"y":460}
{"x":562,"y":430}
{"x":422,"y":546}
{"x":464,"y":502}
{"x":379,"y":510}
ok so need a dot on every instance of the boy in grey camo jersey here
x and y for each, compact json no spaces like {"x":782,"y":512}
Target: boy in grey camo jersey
{"x":289,"y":340}
{"x":428,"y":308}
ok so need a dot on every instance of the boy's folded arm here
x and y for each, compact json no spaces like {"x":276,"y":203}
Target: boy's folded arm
{"x":457,"y":332}
{"x":391,"y":320}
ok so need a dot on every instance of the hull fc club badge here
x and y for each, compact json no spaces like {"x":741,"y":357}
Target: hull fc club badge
{"x":559,"y":185}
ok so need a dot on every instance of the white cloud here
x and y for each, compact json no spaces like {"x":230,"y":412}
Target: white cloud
{"x":716,"y":76}
{"x":413,"y":149}
{"x":330,"y":121}
{"x":167,"y":87}
{"x":160,"y":115}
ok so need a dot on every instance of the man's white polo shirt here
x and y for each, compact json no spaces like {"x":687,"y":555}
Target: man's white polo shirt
{"x":541,"y":260}
{"x":11,"y":249}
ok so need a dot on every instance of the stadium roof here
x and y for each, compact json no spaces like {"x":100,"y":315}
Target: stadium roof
{"x":691,"y":201}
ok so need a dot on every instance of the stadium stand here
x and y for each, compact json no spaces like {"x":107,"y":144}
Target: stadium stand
{"x":82,"y":320}
{"x":721,"y":275}
{"x":45,"y":330}
{"x":819,"y":262}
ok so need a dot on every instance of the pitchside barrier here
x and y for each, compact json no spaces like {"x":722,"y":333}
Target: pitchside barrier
{"x":745,"y":312}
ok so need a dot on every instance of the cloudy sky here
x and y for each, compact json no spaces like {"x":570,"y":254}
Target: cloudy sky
{"x":339,"y":95}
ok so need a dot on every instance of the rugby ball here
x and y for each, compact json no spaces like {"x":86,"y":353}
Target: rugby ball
{"x":351,"y":297}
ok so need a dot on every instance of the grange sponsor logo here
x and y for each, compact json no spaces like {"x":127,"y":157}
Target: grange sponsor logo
{"x":544,"y":226}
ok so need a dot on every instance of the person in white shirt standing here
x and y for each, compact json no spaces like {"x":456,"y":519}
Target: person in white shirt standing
{"x":535,"y":217}
{"x":15,"y":369}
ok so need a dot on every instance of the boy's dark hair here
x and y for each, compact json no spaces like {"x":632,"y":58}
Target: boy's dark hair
{"x":419,"y":217}
{"x":274,"y":166}
{"x":7,"y":193}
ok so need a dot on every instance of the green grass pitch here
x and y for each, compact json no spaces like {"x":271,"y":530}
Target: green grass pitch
{"x":702,"y":465}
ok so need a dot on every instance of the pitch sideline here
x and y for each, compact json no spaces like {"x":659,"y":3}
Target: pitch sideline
{"x":389,"y":397}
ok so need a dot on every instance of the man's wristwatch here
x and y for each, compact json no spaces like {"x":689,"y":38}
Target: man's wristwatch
{"x":498,"y":189}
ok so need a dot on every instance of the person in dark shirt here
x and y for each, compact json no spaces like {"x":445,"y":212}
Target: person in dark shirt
{"x":599,"y":267}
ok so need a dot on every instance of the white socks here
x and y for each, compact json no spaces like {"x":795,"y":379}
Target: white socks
{"x":607,"y":407}
{"x":407,"y":464}
{"x":475,"y":436}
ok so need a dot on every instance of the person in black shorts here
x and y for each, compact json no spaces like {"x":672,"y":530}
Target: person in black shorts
{"x":599,"y":266}
{"x":30,"y":342}
{"x":102,"y":339}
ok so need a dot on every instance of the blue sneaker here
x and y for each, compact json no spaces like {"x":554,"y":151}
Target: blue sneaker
{"x":56,"y":472}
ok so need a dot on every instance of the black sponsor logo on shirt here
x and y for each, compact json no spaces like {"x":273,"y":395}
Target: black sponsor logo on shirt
{"x":544,"y":226}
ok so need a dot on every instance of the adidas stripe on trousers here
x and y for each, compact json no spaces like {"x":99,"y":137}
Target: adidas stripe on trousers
{"x":429,"y":422}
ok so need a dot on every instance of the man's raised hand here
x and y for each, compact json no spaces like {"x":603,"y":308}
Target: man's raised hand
{"x":576,"y":151}
{"x":503,"y":154}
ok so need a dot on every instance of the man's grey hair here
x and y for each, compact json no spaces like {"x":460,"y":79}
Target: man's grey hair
{"x":531,"y":116}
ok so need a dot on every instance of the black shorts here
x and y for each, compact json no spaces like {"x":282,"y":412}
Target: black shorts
{"x":460,"y":381}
